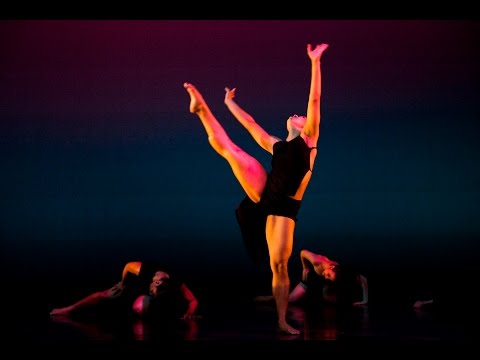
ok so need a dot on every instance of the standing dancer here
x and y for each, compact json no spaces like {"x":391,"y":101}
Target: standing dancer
{"x":268,"y":213}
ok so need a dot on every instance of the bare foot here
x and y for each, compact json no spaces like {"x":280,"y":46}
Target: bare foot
{"x":60,"y":311}
{"x":196,"y":99}
{"x":285,"y":328}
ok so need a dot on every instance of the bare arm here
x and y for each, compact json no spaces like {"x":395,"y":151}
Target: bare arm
{"x":308,"y":257}
{"x":262,"y":138}
{"x":191,"y":300}
{"x":318,"y":262}
{"x":312,"y":125}
{"x":312,"y":258}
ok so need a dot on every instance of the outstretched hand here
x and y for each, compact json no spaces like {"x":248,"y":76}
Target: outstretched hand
{"x":229,"y":93}
{"x":316,"y":53}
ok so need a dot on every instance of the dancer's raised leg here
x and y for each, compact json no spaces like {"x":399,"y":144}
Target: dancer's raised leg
{"x":248,"y":170}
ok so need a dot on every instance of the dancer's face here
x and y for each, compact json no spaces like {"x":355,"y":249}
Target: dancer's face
{"x":158,"y":279}
{"x":330,"y":273}
{"x":296,"y":122}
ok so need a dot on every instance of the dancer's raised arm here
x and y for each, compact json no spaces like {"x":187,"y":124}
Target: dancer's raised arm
{"x":264,"y":139}
{"x":312,"y":125}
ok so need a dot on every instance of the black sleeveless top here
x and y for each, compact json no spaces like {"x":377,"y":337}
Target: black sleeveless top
{"x":290,"y":163}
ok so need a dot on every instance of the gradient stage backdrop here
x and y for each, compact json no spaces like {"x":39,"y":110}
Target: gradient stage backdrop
{"x":102,"y":163}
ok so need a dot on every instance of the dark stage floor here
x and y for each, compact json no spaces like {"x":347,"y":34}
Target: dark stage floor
{"x":232,"y":323}
{"x":236,"y":329}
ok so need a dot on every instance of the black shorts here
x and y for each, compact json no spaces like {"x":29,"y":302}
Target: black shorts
{"x":252,"y":219}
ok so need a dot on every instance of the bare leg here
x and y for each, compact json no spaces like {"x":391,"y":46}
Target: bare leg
{"x":91,"y":299}
{"x":279,"y":231}
{"x":86,"y":301}
{"x":248,"y":171}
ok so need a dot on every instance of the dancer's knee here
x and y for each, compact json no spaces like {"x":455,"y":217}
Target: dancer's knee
{"x":279,"y":268}
{"x":220,"y":144}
